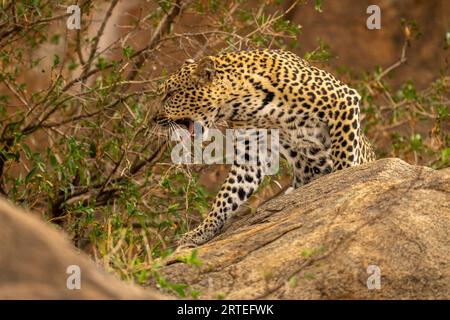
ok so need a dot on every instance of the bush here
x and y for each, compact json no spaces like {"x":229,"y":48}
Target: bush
{"x":78,"y":139}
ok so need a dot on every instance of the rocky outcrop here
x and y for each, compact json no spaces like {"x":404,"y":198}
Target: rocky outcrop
{"x":34,"y":261}
{"x":375,"y":231}
{"x":379,"y":230}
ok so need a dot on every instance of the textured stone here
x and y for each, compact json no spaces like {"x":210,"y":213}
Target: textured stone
{"x":34,"y":258}
{"x":318,"y":241}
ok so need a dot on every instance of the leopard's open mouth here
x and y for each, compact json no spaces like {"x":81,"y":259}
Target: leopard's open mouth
{"x":187,"y":123}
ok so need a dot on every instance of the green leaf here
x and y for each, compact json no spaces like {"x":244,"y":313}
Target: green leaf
{"x":179,"y":288}
{"x":442,"y":111}
{"x":318,"y":5}
{"x":447,"y":40}
{"x":195,"y":293}
{"x":220,"y":296}
{"x":73,"y":65}
{"x":416,"y":142}
{"x":56,"y":61}
{"x":143,"y":276}
{"x":53,"y":161}
{"x":306,"y":253}
{"x":409,"y":90}
{"x":92,"y":150}
{"x":165,"y":5}
{"x":445,"y":154}
{"x":11,"y":155}
{"x":322,"y":53}
{"x":102,"y":63}
{"x":26,"y":150}
{"x":192,"y":260}
{"x":55,"y":38}
{"x":293,"y":281}
{"x":30,"y":175}
{"x":309,"y":276}
{"x":128,"y":51}
{"x":173,"y":208}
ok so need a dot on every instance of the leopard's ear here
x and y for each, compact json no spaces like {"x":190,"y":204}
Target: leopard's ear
{"x":205,"y":71}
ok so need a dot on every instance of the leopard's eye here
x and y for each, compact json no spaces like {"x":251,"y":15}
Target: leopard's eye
{"x":166,"y":96}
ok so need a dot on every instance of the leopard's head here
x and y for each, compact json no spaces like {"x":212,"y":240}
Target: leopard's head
{"x":193,"y":93}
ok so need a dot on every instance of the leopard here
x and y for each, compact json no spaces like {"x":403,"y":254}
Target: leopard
{"x":317,"y":117}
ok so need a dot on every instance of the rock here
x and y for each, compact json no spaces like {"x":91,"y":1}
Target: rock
{"x":34,"y":259}
{"x":319,"y":241}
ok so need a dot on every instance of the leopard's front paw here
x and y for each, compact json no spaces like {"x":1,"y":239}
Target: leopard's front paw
{"x":189,"y":240}
{"x":193,"y":239}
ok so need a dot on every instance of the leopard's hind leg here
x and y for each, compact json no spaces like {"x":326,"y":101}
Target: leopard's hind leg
{"x":308,"y":150}
{"x":349,"y":145}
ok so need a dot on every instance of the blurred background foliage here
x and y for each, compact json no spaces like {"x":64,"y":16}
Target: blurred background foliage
{"x":77,"y":137}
